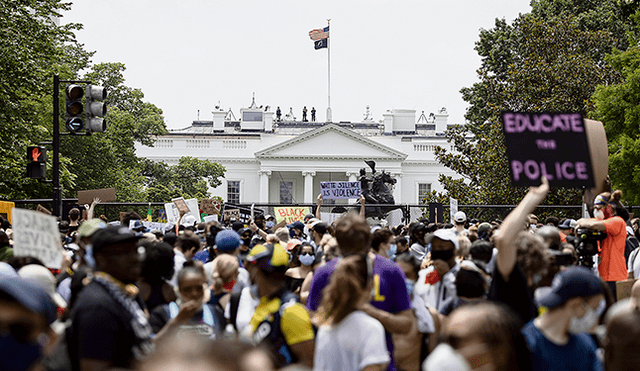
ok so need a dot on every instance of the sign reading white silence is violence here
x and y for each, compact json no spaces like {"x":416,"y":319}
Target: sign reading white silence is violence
{"x":553,"y":145}
{"x":340,"y":190}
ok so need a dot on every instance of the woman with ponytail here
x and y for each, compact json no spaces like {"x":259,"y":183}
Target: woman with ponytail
{"x":348,"y":339}
{"x":610,"y":216}
{"x":224,"y":275}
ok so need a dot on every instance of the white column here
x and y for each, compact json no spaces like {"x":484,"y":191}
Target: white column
{"x":353,"y":175}
{"x":308,"y":186}
{"x":397,"y":188}
{"x":264,"y":185}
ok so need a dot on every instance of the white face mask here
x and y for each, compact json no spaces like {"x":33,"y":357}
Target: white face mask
{"x":590,"y":319}
{"x":599,"y":214}
{"x":445,"y":358}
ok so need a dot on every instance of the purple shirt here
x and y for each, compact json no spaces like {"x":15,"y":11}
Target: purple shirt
{"x":390,"y":291}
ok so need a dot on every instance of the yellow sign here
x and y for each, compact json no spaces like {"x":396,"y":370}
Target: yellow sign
{"x":291,"y":214}
{"x":5,"y":210}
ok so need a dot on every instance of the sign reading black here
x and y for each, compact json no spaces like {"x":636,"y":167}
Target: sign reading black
{"x":553,"y":145}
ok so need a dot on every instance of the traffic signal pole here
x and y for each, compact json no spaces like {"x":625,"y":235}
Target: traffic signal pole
{"x":57,"y":190}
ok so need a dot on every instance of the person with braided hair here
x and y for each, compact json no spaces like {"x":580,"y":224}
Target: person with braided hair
{"x":610,"y":217}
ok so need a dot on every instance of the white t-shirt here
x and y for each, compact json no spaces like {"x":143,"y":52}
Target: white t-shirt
{"x":246,"y":307}
{"x":356,"y":342}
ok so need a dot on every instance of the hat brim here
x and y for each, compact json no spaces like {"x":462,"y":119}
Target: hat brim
{"x":546,"y":297}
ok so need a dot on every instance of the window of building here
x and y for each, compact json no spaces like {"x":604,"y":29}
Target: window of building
{"x":233,"y":191}
{"x":423,"y":191}
{"x":252,"y":116}
{"x":286,"y":192}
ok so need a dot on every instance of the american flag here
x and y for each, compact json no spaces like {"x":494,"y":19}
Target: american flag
{"x":319,"y":34}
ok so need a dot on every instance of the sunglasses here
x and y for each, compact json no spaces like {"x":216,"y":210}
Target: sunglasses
{"x":308,"y":253}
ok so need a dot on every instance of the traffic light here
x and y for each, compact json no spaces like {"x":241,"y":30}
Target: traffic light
{"x":36,"y":162}
{"x":74,"y":108}
{"x":96,"y":109}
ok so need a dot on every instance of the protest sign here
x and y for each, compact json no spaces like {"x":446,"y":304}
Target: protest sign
{"x":291,"y":214}
{"x":453,"y":207}
{"x":5,"y":209}
{"x":231,"y":215}
{"x":173,"y":214}
{"x":43,"y":209}
{"x":553,"y":145}
{"x":210,"y":207}
{"x":36,"y":234}
{"x":104,"y":194}
{"x":152,"y":226}
{"x":340,"y":190}
{"x":329,"y":218}
{"x":210,"y":218}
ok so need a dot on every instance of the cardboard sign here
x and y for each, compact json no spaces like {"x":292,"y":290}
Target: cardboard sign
{"x":210,"y":207}
{"x":232,"y":215}
{"x":291,"y":214}
{"x":623,"y":288}
{"x":553,"y":145}
{"x":36,"y":234}
{"x":43,"y":209}
{"x":173,"y":214}
{"x":5,"y":210}
{"x":181,"y":205}
{"x":104,"y":194}
{"x":340,"y":190}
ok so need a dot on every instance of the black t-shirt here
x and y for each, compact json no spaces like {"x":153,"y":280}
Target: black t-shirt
{"x":102,"y":329}
{"x":516,"y":293}
{"x":197,"y":324}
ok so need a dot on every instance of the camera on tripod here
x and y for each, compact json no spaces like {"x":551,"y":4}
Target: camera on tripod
{"x":587,"y":245}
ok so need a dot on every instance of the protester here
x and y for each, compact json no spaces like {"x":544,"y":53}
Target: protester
{"x":109,"y":306}
{"x":279,"y":322}
{"x":157,"y":270}
{"x":189,"y":313}
{"x":348,"y":339}
{"x":419,"y":248}
{"x":382,"y":243}
{"x":622,"y":339}
{"x":607,"y":210}
{"x":557,"y":339}
{"x":390,"y":301}
{"x":224,"y":276}
{"x":26,"y":311}
{"x":441,"y":274}
{"x":185,"y":248}
{"x":459,"y":220}
{"x":6,"y":251}
{"x":296,"y":276}
{"x":228,"y":242}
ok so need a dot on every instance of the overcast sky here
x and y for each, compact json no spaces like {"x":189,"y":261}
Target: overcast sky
{"x":186,"y":55}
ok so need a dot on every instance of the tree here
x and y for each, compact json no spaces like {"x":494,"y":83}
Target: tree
{"x":190,"y":178}
{"x":618,"y":107}
{"x":33,"y":49}
{"x":533,"y":65}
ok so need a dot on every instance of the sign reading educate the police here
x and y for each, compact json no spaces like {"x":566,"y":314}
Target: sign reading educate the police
{"x":340,"y":190}
{"x":553,"y":145}
{"x":36,"y":234}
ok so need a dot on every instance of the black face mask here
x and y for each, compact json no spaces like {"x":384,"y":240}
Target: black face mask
{"x":445,"y":255}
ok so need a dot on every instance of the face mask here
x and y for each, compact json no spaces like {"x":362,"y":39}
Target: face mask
{"x":442,"y":255}
{"x":444,"y":357}
{"x":599,"y":214}
{"x":270,"y":224}
{"x":10,"y":348}
{"x":393,"y":249}
{"x":307,"y":259}
{"x":409,"y":284}
{"x":586,"y":322}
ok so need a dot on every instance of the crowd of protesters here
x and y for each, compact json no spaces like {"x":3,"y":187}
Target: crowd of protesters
{"x":516,"y":294}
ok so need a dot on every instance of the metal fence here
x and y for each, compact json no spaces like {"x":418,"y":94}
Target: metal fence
{"x":402,"y":214}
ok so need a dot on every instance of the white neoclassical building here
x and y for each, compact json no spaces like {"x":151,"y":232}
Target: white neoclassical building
{"x":283,"y":161}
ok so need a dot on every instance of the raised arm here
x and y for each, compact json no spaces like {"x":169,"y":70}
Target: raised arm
{"x":319,"y":199}
{"x":362,"y":201}
{"x":513,"y":225}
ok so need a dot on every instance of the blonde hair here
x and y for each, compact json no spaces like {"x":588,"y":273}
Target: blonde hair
{"x":225,"y":268}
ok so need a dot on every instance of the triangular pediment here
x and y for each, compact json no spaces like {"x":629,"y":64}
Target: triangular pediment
{"x":330,"y":142}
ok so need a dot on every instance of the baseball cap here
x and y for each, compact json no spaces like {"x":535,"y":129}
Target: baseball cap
{"x":445,"y":235}
{"x":227,"y":240}
{"x":296,"y":225}
{"x":269,"y":257}
{"x":293,"y":243}
{"x":307,"y":217}
{"x":138,"y":226}
{"x":43,"y":277}
{"x":571,"y":283}
{"x":113,"y":235}
{"x":319,"y":226}
{"x":460,"y":217}
{"x":88,"y":228}
{"x":484,"y":227}
{"x":568,"y":224}
{"x":31,"y":296}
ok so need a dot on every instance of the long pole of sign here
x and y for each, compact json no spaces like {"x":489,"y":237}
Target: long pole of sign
{"x":329,"y":73}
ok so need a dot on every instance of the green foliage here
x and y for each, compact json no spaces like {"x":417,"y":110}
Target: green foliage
{"x":618,"y":107}
{"x":190,"y":178}
{"x":535,"y":64}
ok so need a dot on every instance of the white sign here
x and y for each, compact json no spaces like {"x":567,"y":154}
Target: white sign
{"x":36,"y":234}
{"x":453,"y":207}
{"x":152,"y":226}
{"x":210,"y":218}
{"x":173,"y":214}
{"x":340,"y":190}
{"x":329,"y":218}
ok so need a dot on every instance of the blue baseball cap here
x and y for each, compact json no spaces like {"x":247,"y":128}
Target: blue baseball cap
{"x":574,"y":282}
{"x":31,"y":296}
{"x":227,"y":240}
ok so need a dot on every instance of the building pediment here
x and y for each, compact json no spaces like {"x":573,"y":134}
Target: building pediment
{"x":331,"y":142}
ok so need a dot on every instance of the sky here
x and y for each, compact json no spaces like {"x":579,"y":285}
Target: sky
{"x":191,"y":55}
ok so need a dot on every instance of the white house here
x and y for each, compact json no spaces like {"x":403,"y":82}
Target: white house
{"x":272,"y":161}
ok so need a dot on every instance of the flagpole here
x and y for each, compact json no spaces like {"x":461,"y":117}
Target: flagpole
{"x":329,"y":73}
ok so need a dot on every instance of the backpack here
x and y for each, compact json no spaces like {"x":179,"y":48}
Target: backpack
{"x":631,"y":244}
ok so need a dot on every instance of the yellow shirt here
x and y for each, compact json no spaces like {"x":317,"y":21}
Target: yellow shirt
{"x":295,"y":323}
